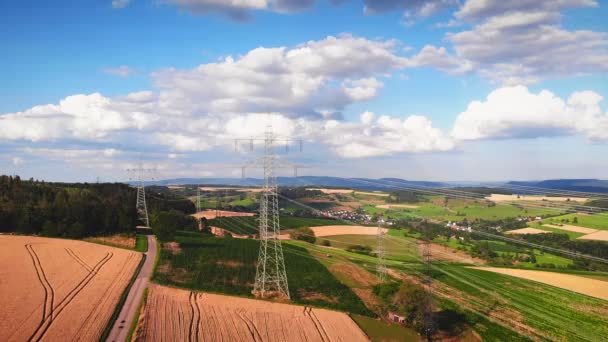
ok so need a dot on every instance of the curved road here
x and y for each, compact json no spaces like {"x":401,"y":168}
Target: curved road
{"x":120,"y":330}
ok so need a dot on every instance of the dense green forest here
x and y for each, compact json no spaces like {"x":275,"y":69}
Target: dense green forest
{"x":75,"y":209}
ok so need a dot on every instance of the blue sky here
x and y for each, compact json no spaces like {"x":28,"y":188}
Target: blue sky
{"x":451,"y":90}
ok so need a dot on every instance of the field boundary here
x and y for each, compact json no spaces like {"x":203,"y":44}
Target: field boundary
{"x":133,"y":326}
{"x":122,"y":300}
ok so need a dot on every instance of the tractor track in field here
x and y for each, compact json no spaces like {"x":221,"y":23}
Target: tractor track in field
{"x":47,"y":322}
{"x":195,"y":321}
{"x":317,"y":323}
{"x":49,"y":292}
{"x":78,"y":259}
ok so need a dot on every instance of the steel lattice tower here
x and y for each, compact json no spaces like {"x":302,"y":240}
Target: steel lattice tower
{"x":140,"y":204}
{"x":270,"y":278}
{"x":381,"y":253}
{"x":198,"y":198}
{"x":428,"y":284}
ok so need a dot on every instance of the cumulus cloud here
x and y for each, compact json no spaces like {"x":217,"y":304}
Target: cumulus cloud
{"x":420,"y":8}
{"x":295,"y":81}
{"x":122,"y":71}
{"x":519,"y":42}
{"x":17,"y":161}
{"x":240,"y":10}
{"x":483,"y":9}
{"x":439,"y":58}
{"x":384,"y":136}
{"x":120,"y":3}
{"x":515,"y":112}
{"x":544,"y":50}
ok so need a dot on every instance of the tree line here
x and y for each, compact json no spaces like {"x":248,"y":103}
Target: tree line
{"x":75,"y":210}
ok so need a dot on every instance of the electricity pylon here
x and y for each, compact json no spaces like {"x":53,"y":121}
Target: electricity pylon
{"x":380,"y":254}
{"x":198,"y":198}
{"x":271,"y":277}
{"x":140,"y":204}
{"x":428,"y":284}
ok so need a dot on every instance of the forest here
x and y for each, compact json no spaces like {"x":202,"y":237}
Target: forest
{"x":75,"y":210}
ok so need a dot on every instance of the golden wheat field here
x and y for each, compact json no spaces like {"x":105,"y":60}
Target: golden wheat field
{"x":60,"y":290}
{"x":179,"y":315}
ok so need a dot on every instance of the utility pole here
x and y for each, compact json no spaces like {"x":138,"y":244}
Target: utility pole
{"x":380,"y":254}
{"x":271,"y":277}
{"x":140,"y":204}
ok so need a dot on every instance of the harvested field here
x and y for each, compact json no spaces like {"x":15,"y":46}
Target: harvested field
{"x":180,"y":315}
{"x":570,"y":228}
{"x":600,"y":235}
{"x":587,"y":286}
{"x":368,"y":193}
{"x":211,"y":214}
{"x":208,"y":188}
{"x":344,"y":230}
{"x":60,"y":290}
{"x":333,"y":191}
{"x":527,"y":231}
{"x":513,"y":198}
{"x":388,"y":206}
{"x":118,"y":240}
{"x":445,"y":253}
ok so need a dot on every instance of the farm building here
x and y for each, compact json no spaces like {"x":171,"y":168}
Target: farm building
{"x":394,"y":317}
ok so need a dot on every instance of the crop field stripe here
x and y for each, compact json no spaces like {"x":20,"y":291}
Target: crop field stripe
{"x":69,"y":297}
{"x":78,"y":260}
{"x":49,"y":293}
{"x":319,"y":325}
{"x":539,"y":315}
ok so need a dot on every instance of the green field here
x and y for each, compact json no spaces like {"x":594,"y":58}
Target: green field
{"x":247,"y":225}
{"x":227,"y":266}
{"x":379,"y":331}
{"x":141,"y":244}
{"x":470,"y":211}
{"x":595,"y":221}
{"x":395,"y":250}
{"x":553,"y":313}
{"x":503,"y":248}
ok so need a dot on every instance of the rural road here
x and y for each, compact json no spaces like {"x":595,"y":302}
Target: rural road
{"x":120,"y":330}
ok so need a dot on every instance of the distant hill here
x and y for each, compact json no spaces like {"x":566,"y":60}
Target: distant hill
{"x":311,"y":181}
{"x":582,"y":185}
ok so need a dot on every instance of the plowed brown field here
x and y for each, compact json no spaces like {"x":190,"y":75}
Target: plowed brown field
{"x":59,"y":290}
{"x":180,"y":315}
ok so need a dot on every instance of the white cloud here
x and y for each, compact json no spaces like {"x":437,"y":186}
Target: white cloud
{"x":120,"y":3}
{"x":240,"y":10}
{"x":383,"y":136}
{"x":412,"y":8}
{"x":17,"y":161}
{"x":361,"y":89}
{"x":515,"y":112}
{"x":483,"y":9}
{"x":518,"y":42}
{"x":526,"y":47}
{"x":122,"y":71}
{"x":296,"y":81}
{"x":439,"y":58}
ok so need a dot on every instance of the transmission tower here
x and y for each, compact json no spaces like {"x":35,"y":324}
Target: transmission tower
{"x":381,"y":253}
{"x":428,"y":285}
{"x":198,"y":198}
{"x":140,"y":204}
{"x":270,"y":278}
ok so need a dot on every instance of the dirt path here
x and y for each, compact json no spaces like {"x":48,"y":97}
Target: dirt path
{"x":120,"y":330}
